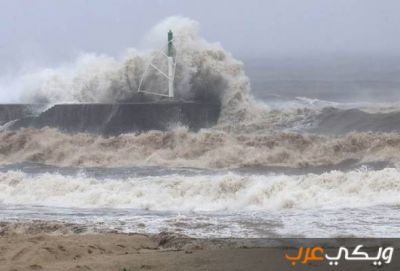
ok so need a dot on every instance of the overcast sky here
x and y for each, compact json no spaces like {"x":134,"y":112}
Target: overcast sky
{"x":52,"y":31}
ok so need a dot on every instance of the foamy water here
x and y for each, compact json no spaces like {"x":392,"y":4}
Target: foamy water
{"x":267,"y":169}
{"x":205,"y":149}
{"x":208,"y":193}
{"x":201,"y":204}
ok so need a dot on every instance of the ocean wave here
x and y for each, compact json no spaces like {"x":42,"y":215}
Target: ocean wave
{"x":206,"y":149}
{"x":233,"y":192}
{"x":336,"y":121}
{"x":204,"y":70}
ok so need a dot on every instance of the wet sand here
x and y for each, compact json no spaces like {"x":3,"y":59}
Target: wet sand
{"x":42,"y":246}
{"x":46,"y":246}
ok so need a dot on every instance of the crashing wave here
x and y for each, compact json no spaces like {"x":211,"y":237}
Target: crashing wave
{"x":204,"y":71}
{"x":205,"y":149}
{"x":233,"y":192}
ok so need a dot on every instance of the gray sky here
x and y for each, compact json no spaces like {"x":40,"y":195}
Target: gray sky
{"x":52,"y":31}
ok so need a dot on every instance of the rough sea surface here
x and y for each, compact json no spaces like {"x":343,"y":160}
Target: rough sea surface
{"x":302,"y":148}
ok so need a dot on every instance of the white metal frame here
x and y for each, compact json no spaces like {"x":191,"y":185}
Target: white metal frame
{"x":170,"y":76}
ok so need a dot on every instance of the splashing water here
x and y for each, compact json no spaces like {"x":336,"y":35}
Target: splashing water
{"x":204,"y":71}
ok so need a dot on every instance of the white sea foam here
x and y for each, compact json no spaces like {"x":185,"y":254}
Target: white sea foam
{"x":232,"y":192}
{"x":202,"y":66}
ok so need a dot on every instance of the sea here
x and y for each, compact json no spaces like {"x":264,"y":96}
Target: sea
{"x":305,"y":147}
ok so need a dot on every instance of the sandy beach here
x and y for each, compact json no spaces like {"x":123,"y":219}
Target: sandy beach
{"x":56,"y":246}
{"x":43,"y":246}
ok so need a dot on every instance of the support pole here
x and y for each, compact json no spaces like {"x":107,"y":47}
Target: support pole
{"x":170,"y":77}
{"x":171,"y":67}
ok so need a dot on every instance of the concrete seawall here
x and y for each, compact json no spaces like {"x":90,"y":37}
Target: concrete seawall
{"x":10,"y":112}
{"x":112,"y":119}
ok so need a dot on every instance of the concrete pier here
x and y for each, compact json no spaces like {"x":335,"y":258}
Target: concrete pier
{"x":112,"y":119}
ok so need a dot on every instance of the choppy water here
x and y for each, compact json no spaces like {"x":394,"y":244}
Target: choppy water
{"x":307,"y":151}
{"x":206,"y":203}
